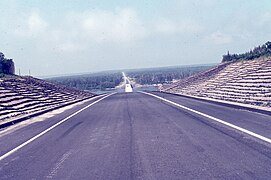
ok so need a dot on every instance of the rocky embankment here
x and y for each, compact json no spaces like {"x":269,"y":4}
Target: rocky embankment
{"x":22,"y":96}
{"x":245,"y":81}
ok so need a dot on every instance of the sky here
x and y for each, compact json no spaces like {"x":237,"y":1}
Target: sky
{"x":49,"y":37}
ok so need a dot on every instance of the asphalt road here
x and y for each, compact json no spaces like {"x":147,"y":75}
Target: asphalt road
{"x":136,"y":136}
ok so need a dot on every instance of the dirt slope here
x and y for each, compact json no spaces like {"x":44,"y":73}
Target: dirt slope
{"x":247,"y":82}
{"x":20,"y":96}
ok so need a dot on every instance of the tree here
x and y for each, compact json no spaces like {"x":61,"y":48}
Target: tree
{"x":264,"y":50}
{"x":268,"y":45}
{"x":6,"y":65}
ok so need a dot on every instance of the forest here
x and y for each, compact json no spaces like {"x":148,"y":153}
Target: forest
{"x":108,"y":80}
{"x":263,"y":50}
{"x":164,"y":75}
{"x":90,"y":82}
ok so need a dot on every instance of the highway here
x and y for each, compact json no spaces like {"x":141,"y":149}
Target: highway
{"x":128,"y":85}
{"x":138,"y":136}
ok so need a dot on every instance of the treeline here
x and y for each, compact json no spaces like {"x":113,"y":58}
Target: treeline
{"x":264,"y":50}
{"x":6,"y":65}
{"x":105,"y":81}
{"x":90,"y":82}
{"x":164,"y":75}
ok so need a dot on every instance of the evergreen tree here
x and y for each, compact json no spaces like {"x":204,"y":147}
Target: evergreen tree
{"x":264,"y":50}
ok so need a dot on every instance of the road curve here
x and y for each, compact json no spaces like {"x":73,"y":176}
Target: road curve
{"x":136,"y":136}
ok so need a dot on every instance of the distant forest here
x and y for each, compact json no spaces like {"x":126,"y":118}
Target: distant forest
{"x":104,"y":81}
{"x":264,"y":50}
{"x":90,"y":82}
{"x":6,"y":65}
{"x":165,"y":75}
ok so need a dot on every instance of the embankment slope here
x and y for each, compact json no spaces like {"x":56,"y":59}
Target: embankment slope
{"x":22,"y":96}
{"x":243,"y":81}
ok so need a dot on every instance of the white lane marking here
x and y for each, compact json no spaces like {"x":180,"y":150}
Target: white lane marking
{"x":42,"y":117}
{"x":213,"y":118}
{"x":52,"y":127}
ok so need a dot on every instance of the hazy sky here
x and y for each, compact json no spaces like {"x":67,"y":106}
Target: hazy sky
{"x":52,"y":37}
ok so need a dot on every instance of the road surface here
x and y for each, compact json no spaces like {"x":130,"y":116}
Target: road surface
{"x":128,"y":86}
{"x":137,"y":136}
{"x":126,"y":79}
